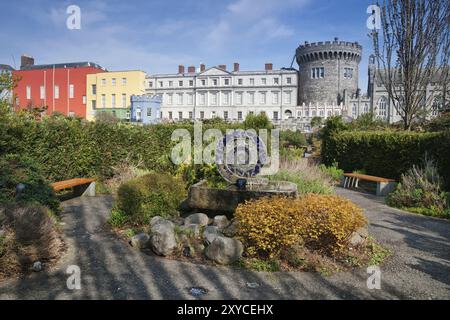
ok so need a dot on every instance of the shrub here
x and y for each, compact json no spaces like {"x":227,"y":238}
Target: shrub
{"x":420,"y":191}
{"x":387,"y":154}
{"x":15,"y":170}
{"x":292,"y":138}
{"x":124,"y":171}
{"x":150,"y":195}
{"x":322,"y":222}
{"x":309,"y":178}
{"x":333,"y":171}
{"x":259,"y":121}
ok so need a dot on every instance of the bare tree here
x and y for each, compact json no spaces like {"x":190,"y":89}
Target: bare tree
{"x":412,"y":53}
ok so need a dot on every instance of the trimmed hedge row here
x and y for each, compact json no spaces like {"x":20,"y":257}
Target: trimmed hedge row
{"x":66,"y":148}
{"x":387,"y":153}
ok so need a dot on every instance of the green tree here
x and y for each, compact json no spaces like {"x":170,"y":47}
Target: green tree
{"x":260,"y":121}
{"x":316,"y":122}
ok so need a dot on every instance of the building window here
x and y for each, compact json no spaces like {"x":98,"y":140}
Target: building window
{"x":202,"y":114}
{"x":180,"y":98}
{"x":190,"y":99}
{"x":348,"y":73}
{"x":288,"y":80}
{"x":275,"y":98}
{"x":213,"y":99}
{"x":215,"y":82}
{"x":42,"y":92}
{"x":329,"y":113}
{"x":382,"y":107}
{"x":103,"y":82}
{"x":103,"y":101}
{"x":366,"y":108}
{"x":240,"y":81}
{"x":239,"y":115}
{"x":263,"y":81}
{"x":161,"y":84}
{"x":225,"y":115}
{"x":150,"y":84}
{"x":226,"y":98}
{"x":276,"y":80}
{"x":322,"y":113}
{"x":213,"y":114}
{"x":127,"y":115}
{"x":262,"y":98}
{"x":149,"y":112}
{"x":275,"y":115}
{"x":287,"y":97}
{"x":56,"y":92}
{"x":124,"y":100}
{"x":71,"y":91}
{"x":251,"y":98}
{"x":314,"y":113}
{"x":317,"y":73}
{"x":252,"y":81}
{"x":299,"y":114}
{"x":202,"y":99}
{"x":113,"y":101}
{"x":94,"y":104}
{"x":28,"y":92}
{"x":180,"y":83}
{"x":191,"y":83}
{"x":180,"y":115}
{"x":191,"y":115}
{"x":171,"y":84}
{"x":170,"y":115}
{"x":203,"y":82}
{"x":239,"y":98}
{"x":169,"y":99}
{"x":94,"y":89}
{"x":124,"y":81}
{"x":113,"y":81}
{"x":354,"y":110}
{"x":226,"y":82}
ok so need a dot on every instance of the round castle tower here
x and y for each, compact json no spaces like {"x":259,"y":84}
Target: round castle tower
{"x":328,"y":71}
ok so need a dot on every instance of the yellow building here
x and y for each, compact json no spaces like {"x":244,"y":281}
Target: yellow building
{"x":110,"y":92}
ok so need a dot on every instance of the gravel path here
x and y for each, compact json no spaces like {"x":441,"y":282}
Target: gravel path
{"x":110,"y":269}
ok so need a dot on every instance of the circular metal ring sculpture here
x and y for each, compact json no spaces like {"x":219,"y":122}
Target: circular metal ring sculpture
{"x":241,"y":143}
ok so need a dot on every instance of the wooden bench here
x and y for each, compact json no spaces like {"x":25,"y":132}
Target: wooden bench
{"x":81,"y":186}
{"x":384,"y":185}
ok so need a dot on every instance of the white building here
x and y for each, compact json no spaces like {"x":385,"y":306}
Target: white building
{"x":230,"y":95}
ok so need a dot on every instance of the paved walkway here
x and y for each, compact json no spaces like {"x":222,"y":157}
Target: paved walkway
{"x":110,"y":269}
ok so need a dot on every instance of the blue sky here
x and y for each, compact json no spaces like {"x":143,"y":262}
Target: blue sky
{"x":158,"y":35}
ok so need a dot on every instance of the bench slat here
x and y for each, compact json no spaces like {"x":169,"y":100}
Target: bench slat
{"x":61,"y":185}
{"x":367,"y":177}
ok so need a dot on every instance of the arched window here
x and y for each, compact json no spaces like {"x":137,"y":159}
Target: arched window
{"x":382,"y":107}
{"x":366,"y":107}
{"x":288,"y":113}
{"x":299,"y":114}
{"x":354,"y":110}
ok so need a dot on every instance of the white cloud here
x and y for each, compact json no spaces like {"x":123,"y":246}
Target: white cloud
{"x":246,"y":21}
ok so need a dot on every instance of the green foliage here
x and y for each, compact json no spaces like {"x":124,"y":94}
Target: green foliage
{"x":304,"y":183}
{"x":440,"y":123}
{"x":385,"y":154}
{"x":291,"y":153}
{"x":332,"y":171}
{"x":263,"y":265}
{"x":316,"y":122}
{"x":259,"y":121}
{"x":292,"y":138}
{"x":194,"y":173}
{"x":367,"y":121}
{"x":420,"y":191}
{"x":117,"y":218}
{"x":151,"y":195}
{"x":15,"y":170}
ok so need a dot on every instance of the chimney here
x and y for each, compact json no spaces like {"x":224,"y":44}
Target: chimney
{"x":202,"y":67}
{"x":223,"y":67}
{"x":236,"y":67}
{"x":191,"y":69}
{"x":26,"y":61}
{"x":181,"y":69}
{"x":268,"y":66}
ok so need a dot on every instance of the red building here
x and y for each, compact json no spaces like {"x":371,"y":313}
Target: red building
{"x":58,"y":87}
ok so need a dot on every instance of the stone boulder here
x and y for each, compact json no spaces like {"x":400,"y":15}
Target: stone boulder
{"x":140,"y":241}
{"x":221,"y":222}
{"x":211,"y":233}
{"x":197,"y":218}
{"x":163,"y":240}
{"x":37,"y":266}
{"x":155,"y":220}
{"x":358,"y":237}
{"x":231,"y":230}
{"x":224,"y":250}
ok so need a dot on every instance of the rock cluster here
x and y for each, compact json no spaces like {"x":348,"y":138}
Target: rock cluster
{"x":217,"y":235}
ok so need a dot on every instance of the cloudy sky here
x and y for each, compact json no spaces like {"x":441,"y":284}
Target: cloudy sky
{"x":158,"y":35}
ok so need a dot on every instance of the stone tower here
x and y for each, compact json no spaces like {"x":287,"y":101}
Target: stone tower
{"x":328,"y":71}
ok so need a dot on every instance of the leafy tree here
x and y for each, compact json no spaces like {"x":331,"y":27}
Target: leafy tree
{"x":316,"y":122}
{"x":260,"y":121}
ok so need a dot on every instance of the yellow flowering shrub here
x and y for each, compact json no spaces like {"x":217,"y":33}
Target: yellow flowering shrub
{"x":322,"y":222}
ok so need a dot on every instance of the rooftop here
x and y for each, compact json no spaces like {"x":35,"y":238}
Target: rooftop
{"x":62,"y":66}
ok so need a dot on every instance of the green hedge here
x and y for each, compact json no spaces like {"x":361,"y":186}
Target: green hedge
{"x":387,"y":153}
{"x":65,"y":148}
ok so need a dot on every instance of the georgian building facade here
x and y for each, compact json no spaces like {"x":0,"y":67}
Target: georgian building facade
{"x":230,"y":95}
